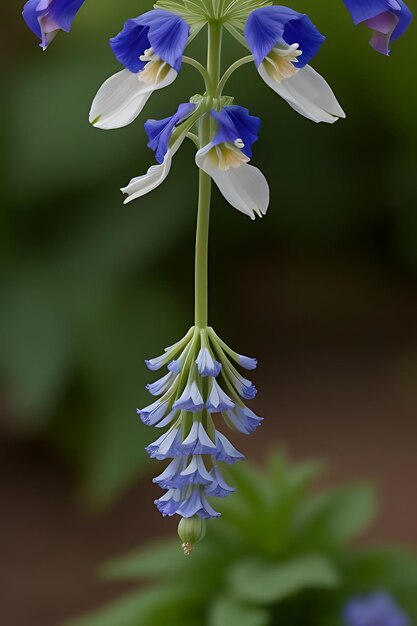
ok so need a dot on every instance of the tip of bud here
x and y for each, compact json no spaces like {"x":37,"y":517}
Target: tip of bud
{"x":187,"y":548}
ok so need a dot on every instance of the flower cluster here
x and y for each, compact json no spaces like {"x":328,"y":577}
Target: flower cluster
{"x":151,"y":48}
{"x":201,"y":382}
{"x":378,"y":609}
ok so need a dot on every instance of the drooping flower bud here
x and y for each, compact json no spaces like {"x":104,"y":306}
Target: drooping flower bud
{"x":191,"y":531}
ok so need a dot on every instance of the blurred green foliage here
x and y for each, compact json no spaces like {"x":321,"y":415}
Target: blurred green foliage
{"x":91,"y":287}
{"x":280,"y":555}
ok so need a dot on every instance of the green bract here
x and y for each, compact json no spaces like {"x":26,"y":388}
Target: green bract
{"x":233,"y":12}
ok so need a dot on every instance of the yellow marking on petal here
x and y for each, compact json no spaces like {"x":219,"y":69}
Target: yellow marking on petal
{"x":227,"y":156}
{"x":155,"y":70}
{"x":280,"y":62}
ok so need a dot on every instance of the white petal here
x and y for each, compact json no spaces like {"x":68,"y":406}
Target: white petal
{"x":308,"y":93}
{"x":122,"y":97}
{"x":244,"y":187}
{"x":154,"y":177}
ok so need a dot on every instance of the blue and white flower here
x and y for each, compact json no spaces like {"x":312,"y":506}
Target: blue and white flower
{"x":191,"y":399}
{"x":377,"y":609}
{"x":167,"y":446}
{"x":226,"y":159}
{"x":198,"y":441}
{"x":218,"y":487}
{"x":225,"y":451}
{"x":283,"y":42}
{"x":159,"y":133}
{"x":388,"y":19}
{"x":151,"y":48}
{"x":242,"y":419}
{"x":161,"y":386}
{"x":218,"y":401}
{"x":47,"y":17}
{"x":206,"y":363}
{"x":195,"y":473}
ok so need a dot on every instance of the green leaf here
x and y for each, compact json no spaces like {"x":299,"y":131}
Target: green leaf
{"x":353,"y":510}
{"x":228,"y":612}
{"x":335,"y":516}
{"x":263,"y":583}
{"x":157,"y":560}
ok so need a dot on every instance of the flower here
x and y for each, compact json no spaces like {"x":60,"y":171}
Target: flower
{"x":226,"y":159}
{"x":206,"y":364}
{"x":242,"y":419}
{"x":378,"y":609}
{"x":150,"y":47}
{"x":283,"y":42}
{"x":218,"y":401}
{"x":388,"y":19}
{"x":190,"y":394}
{"x":159,"y":133}
{"x":47,"y":17}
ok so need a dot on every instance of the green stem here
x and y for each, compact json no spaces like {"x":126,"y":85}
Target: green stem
{"x":204,"y":195}
{"x":232,"y":69}
{"x":202,"y":237}
{"x":200,"y":68}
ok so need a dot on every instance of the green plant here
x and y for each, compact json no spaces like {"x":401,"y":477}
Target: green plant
{"x":281,"y":555}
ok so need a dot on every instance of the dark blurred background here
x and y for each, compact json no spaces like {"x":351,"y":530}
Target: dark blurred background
{"x":323,"y":291}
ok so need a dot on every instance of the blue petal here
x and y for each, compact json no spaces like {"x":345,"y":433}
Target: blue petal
{"x":235,"y":122}
{"x":276,"y":25}
{"x":362,"y":10}
{"x":130,"y":44}
{"x":159,"y":131}
{"x":161,"y":30}
{"x":63,"y":12}
{"x":31,"y":16}
{"x":405,"y":19}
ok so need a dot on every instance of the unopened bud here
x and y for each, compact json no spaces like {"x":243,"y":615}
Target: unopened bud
{"x":191,"y":531}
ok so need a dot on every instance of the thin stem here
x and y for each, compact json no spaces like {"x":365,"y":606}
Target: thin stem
{"x":228,"y":73}
{"x":200,"y":68}
{"x":204,"y":195}
{"x":202,"y":236}
{"x":194,"y":138}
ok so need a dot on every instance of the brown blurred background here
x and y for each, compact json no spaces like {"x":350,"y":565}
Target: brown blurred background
{"x":323,"y":291}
